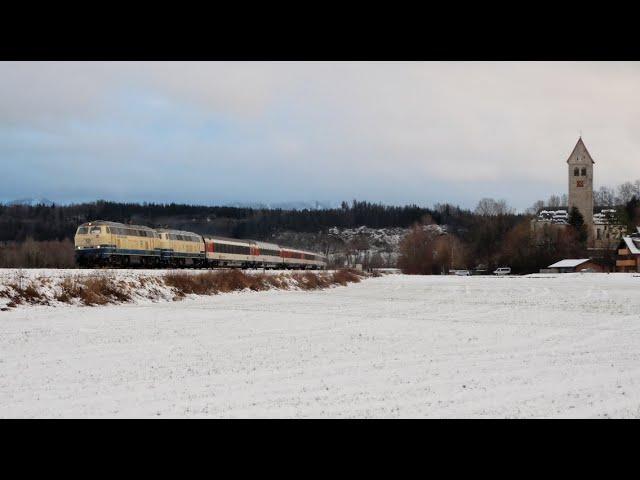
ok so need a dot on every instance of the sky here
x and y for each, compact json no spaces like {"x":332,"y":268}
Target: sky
{"x":272,"y":132}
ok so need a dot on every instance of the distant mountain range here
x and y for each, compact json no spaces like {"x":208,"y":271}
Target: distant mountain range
{"x":32,"y":202}
{"x":315,"y":205}
{"x":295,"y":205}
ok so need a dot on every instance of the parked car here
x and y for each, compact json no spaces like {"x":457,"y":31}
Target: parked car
{"x":502,"y":271}
{"x":463,"y":273}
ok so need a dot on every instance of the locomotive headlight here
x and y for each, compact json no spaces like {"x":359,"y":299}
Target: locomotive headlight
{"x":98,"y":246}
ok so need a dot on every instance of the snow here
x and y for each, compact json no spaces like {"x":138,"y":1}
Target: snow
{"x":394,"y":346}
{"x":632,"y":245}
{"x":143,"y":285}
{"x":569,"y":263}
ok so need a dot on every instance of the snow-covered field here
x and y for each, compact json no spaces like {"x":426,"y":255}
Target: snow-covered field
{"x":395,"y":346}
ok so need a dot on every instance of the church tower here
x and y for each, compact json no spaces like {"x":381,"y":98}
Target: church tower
{"x":580,"y":166}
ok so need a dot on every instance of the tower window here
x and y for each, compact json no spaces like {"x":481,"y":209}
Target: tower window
{"x":584,"y":172}
{"x":576,"y":172}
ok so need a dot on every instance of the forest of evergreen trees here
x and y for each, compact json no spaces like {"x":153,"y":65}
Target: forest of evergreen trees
{"x":40,"y":223}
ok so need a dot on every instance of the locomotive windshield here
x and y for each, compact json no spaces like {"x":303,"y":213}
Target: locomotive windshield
{"x":82,"y":231}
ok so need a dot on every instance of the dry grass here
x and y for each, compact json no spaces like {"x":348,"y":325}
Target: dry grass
{"x":311,"y":281}
{"x":106,"y":289}
{"x":93,"y":291}
{"x":343,"y":277}
{"x":211,"y":283}
{"x":29,"y":294}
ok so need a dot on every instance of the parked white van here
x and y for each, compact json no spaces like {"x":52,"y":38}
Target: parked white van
{"x":502,"y":271}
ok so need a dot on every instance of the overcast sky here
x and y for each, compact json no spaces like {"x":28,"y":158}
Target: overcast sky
{"x":212,"y":133}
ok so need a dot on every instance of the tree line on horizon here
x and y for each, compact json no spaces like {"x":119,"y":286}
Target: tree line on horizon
{"x":41,"y":222}
{"x":499,"y":238}
{"x":491,"y":235}
{"x":603,"y":197}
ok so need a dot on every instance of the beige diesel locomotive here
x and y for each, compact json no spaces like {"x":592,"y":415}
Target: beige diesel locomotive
{"x":102,"y":243}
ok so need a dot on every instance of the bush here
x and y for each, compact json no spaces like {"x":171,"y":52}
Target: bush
{"x":416,"y":252}
{"x":343,"y":277}
{"x":33,"y":254}
{"x":211,"y":283}
{"x":93,"y":291}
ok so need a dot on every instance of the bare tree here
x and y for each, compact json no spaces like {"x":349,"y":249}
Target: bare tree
{"x":554,"y":201}
{"x":604,"y":197}
{"x":564,"y":200}
{"x":626,"y":191}
{"x":416,"y":252}
{"x":490,"y":207}
{"x":535,"y":208}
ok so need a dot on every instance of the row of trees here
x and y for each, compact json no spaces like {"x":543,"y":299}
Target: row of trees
{"x":621,"y":195}
{"x":492,"y":235}
{"x":423,"y":252}
{"x":602,"y":197}
{"x":500,"y":238}
{"x":37,"y":254}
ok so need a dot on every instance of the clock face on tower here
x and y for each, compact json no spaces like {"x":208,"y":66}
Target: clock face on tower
{"x":579,"y":183}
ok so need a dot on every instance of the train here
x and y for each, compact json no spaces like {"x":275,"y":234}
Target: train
{"x":110,"y":244}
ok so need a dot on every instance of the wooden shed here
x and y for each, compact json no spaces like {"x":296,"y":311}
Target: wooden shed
{"x":570,"y":265}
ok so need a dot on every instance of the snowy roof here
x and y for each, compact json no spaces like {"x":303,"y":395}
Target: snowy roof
{"x":569,"y":262}
{"x":633,"y":244}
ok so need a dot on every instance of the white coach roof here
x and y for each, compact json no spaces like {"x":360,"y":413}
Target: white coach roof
{"x":569,"y":262}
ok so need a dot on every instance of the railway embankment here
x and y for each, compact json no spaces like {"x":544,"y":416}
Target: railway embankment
{"x":23,"y":288}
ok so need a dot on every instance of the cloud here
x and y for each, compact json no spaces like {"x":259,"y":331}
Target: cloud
{"x":420,"y":132}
